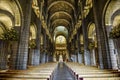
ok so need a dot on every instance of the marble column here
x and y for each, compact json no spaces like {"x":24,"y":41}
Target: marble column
{"x":22,"y":56}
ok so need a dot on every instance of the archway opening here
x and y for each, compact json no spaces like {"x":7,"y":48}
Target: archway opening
{"x":61,"y":53}
{"x":60,"y":40}
{"x":92,"y":46}
{"x":112,"y":19}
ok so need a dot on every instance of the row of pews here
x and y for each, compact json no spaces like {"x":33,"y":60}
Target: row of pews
{"x":82,"y":72}
{"x":41,"y":72}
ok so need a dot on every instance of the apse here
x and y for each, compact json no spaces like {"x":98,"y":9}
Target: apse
{"x":60,"y":40}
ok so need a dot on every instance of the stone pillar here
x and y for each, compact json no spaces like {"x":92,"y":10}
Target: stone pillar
{"x":69,"y":51}
{"x":33,"y":58}
{"x":13,"y":45}
{"x":85,"y":37}
{"x":22,"y":56}
{"x":76,"y":47}
{"x":50,"y":59}
{"x":46,"y":49}
{"x":103,"y":50}
{"x":74,"y":50}
{"x":79,"y":55}
{"x":37,"y":50}
{"x":117,"y":51}
{"x":3,"y":55}
{"x":34,"y":55}
{"x":49,"y":47}
{"x":93,"y":59}
{"x":113,"y":53}
{"x":86,"y":51}
{"x":43,"y":58}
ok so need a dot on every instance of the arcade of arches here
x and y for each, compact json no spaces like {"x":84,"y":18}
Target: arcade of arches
{"x":59,"y":31}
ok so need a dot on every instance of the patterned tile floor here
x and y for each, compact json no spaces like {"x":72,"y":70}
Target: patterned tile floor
{"x":63,"y":73}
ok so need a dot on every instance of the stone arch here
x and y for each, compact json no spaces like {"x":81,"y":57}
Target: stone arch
{"x":92,"y":43}
{"x":115,"y":18}
{"x":60,"y":30}
{"x":41,"y":39}
{"x":33,"y":31}
{"x":14,"y":8}
{"x":61,"y":48}
{"x":10,"y":17}
{"x":110,"y":8}
{"x":91,"y":29}
{"x":109,"y":12}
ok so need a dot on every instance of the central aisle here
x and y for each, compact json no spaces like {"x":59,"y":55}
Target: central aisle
{"x":63,"y":73}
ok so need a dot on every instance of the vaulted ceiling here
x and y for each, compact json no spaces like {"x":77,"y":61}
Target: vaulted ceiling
{"x":60,"y":12}
{"x":52,"y":13}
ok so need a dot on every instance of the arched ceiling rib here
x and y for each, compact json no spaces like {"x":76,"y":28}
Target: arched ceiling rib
{"x":61,"y":7}
{"x":5,"y":5}
{"x":60,"y":20}
{"x":8,"y":15}
{"x":6,"y":20}
{"x":60,"y":23}
{"x":70,"y":1}
{"x":61,"y":3}
{"x":61,"y":14}
{"x":2,"y":26}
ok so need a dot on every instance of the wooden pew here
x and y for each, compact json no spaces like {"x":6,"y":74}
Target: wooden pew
{"x":89,"y":73}
{"x":42,"y":72}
